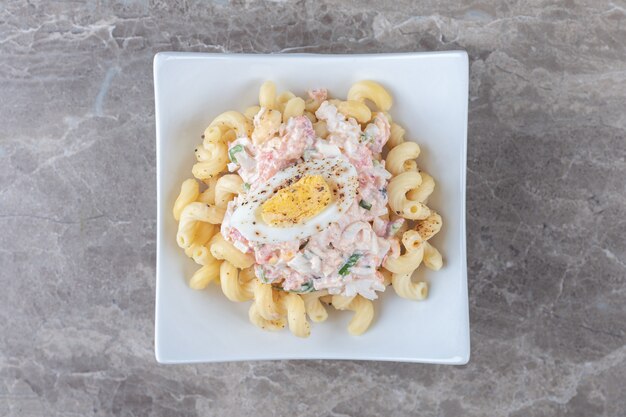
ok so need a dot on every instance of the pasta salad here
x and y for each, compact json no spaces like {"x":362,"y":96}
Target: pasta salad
{"x":298,"y":204}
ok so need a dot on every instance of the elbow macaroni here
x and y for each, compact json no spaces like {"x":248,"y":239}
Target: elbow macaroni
{"x":406,"y":288}
{"x":200,"y":208}
{"x":296,"y":315}
{"x":370,"y":90}
{"x":293,"y":108}
{"x":265,"y":298}
{"x":204,"y":276}
{"x":363,"y":312}
{"x":224,"y":250}
{"x":402,"y":158}
{"x":398,"y":188}
{"x":188,"y":193}
{"x":432,"y":257}
{"x":267,"y":95}
{"x":233,"y":120}
{"x":396,"y":137}
{"x":266,"y":125}
{"x":321,"y":129}
{"x":262,"y":323}
{"x":283,"y":98}
{"x":355,"y":109}
{"x":197,"y":250}
{"x":251,"y":111}
{"x":408,"y":262}
{"x":424,"y":190}
{"x":210,"y":162}
{"x":231,"y":287}
{"x":226,"y":188}
{"x":192,"y":214}
{"x":314,"y":307}
{"x":208,"y":195}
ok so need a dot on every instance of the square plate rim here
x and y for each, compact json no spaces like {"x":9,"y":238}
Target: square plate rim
{"x":160,"y":58}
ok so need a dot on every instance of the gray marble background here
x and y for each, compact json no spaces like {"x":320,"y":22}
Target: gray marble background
{"x":546,"y":208}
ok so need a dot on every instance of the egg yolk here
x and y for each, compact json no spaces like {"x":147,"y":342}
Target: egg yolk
{"x":297,"y":202}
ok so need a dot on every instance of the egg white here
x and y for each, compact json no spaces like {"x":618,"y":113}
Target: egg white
{"x":342,"y":179}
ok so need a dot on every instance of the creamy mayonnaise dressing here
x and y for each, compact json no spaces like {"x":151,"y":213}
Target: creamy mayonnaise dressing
{"x":342,"y":258}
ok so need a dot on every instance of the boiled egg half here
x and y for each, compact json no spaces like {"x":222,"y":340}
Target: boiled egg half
{"x":297,"y":202}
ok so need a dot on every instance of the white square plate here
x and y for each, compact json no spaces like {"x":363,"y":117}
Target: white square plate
{"x":430,"y":92}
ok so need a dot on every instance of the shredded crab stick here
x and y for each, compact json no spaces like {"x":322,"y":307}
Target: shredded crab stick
{"x":342,"y":257}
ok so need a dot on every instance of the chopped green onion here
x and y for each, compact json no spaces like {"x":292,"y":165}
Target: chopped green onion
{"x":352,"y":260}
{"x":246,"y":186}
{"x":260,"y":273}
{"x":366,"y":137}
{"x":304,"y":288}
{"x":365,"y":205}
{"x":395,"y":226}
{"x":232,"y":151}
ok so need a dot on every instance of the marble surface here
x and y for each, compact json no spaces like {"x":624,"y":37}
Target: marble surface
{"x":546,"y":208}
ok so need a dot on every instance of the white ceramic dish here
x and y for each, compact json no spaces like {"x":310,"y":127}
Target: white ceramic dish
{"x":430,"y":93}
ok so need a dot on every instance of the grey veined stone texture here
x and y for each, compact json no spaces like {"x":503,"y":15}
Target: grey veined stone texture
{"x":546,"y":208}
